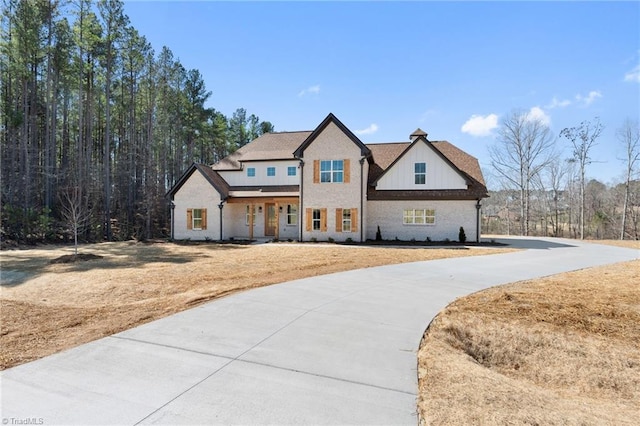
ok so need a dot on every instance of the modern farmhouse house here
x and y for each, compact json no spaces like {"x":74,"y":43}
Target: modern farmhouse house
{"x":326,"y":184}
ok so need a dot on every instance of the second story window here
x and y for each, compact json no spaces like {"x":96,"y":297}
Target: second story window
{"x":271,"y":171}
{"x":331,"y":171}
{"x":251,"y":171}
{"x":420,"y":170}
{"x":291,"y":171}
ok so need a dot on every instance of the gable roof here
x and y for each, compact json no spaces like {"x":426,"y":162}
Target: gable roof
{"x":364,"y":151}
{"x":430,"y":145}
{"x":387,"y":154}
{"x":381,"y":157}
{"x":212,"y":176}
{"x":466,"y":163}
{"x":384,"y":154}
{"x":267,"y":147}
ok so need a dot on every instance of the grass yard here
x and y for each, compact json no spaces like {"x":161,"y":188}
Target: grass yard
{"x":46,"y":308}
{"x":559,"y":350}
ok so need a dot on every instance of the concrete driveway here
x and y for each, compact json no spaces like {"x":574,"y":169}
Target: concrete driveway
{"x":333,"y":349}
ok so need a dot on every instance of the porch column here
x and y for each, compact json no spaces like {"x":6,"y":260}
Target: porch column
{"x":277,"y":233}
{"x":251,"y":209}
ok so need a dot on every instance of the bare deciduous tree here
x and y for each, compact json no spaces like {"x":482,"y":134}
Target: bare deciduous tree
{"x":583,"y":138}
{"x":629,"y":137}
{"x":75,"y":211}
{"x":525,"y":146}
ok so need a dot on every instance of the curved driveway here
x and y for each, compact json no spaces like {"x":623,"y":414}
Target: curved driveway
{"x":333,"y":349}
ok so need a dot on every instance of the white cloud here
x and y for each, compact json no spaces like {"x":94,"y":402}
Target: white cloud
{"x":368,"y":131}
{"x":478,"y":125}
{"x":557,"y":103}
{"x":589,"y":99}
{"x":633,"y":75}
{"x":537,"y":113}
{"x":311,"y":90}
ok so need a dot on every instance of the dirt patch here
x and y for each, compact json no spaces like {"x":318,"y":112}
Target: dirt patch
{"x":71,"y":258}
{"x":559,"y":350}
{"x":51,"y":307}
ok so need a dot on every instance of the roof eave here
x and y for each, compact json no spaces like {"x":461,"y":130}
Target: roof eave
{"x":224,"y":192}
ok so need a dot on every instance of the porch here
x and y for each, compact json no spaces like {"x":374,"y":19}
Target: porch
{"x":262,"y":218}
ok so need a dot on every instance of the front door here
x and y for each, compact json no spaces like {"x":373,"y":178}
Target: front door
{"x":270,"y":220}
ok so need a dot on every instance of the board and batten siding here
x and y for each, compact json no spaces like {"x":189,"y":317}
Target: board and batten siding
{"x":440,"y":175}
{"x":196,"y":193}
{"x":450,"y":216}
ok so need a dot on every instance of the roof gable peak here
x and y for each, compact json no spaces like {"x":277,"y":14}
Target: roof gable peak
{"x":415,"y":140}
{"x":364,"y":150}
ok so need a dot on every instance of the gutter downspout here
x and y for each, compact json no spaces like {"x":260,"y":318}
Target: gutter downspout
{"x":220,"y":206}
{"x":361,"y":198}
{"x":301,"y":214}
{"x":173,"y":208}
{"x":478,"y":218}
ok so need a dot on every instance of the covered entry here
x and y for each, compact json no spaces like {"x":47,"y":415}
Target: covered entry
{"x":270,"y":217}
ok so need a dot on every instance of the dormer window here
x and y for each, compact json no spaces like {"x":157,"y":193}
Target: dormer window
{"x":420,"y":173}
{"x":251,"y":171}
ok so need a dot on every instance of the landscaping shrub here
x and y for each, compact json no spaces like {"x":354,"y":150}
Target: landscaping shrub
{"x":462,"y":237}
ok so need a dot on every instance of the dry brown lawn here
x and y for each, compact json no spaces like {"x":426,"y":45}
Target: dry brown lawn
{"x":560,"y":350}
{"x":47,"y":307}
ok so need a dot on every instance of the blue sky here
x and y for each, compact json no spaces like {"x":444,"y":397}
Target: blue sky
{"x":453,"y":69}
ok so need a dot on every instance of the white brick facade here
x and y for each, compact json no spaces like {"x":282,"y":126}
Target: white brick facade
{"x":387,"y":172}
{"x":450,"y":216}
{"x":196,"y":193}
{"x":333,"y":144}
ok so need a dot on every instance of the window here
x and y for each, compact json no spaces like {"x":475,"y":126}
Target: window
{"x":331,"y":171}
{"x":346,"y":220}
{"x":248,"y":217}
{"x":271,"y":171}
{"x":316,"y":220}
{"x":419,"y":217}
{"x":197,"y":219}
{"x":420,"y":170}
{"x":292,"y":214}
{"x":327,"y":171}
{"x":251,"y":172}
{"x":291,"y":171}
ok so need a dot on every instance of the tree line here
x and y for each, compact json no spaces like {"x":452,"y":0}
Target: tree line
{"x":95,"y":126}
{"x":543,"y":192}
